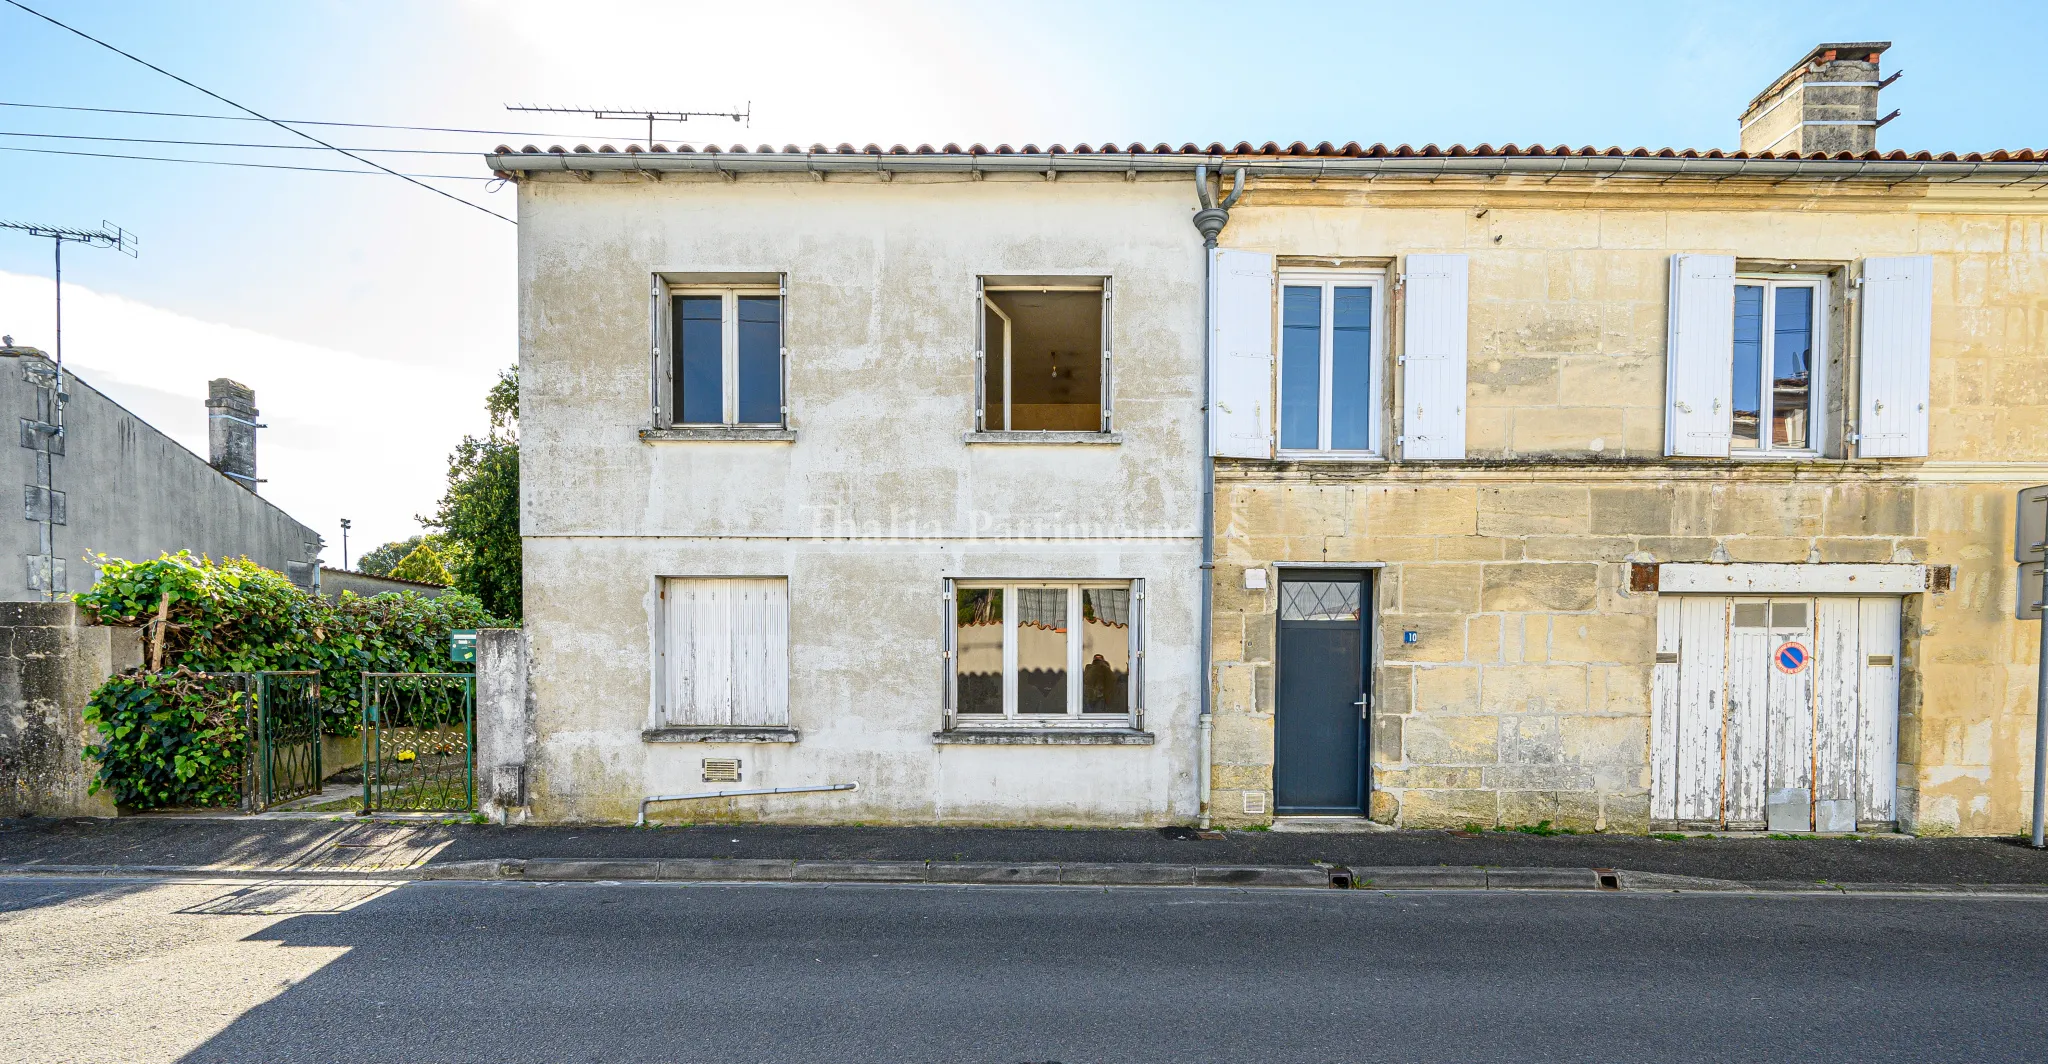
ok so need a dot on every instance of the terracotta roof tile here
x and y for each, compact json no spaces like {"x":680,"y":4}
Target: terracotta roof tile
{"x":1297,"y":149}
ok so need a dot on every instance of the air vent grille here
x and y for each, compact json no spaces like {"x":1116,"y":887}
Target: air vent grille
{"x":721,"y":770}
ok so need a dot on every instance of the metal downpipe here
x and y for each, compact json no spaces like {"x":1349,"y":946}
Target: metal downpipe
{"x":1209,"y":221}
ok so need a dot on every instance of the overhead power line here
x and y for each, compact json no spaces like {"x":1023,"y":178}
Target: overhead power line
{"x":258,"y":114}
{"x":257,"y":166}
{"x":231,"y":144}
{"x":285,"y":121}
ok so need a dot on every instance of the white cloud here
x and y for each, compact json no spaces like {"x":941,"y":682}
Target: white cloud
{"x":347,"y":436}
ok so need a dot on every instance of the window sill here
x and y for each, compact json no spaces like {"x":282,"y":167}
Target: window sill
{"x":1098,"y":438}
{"x":1065,"y":736}
{"x":1334,"y":456}
{"x":724,"y":733}
{"x":728,"y":433}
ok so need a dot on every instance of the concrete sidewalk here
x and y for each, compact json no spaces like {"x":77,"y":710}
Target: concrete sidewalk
{"x":1385,"y":860}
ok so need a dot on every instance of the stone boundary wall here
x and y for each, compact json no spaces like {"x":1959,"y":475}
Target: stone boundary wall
{"x":51,"y":660}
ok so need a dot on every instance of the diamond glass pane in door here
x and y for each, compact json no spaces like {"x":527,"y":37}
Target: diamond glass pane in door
{"x":1319,"y":600}
{"x":1041,"y":651}
{"x":1105,"y":650}
{"x":978,"y":636}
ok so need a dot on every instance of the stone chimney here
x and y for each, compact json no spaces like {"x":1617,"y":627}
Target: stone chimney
{"x":1826,"y":103}
{"x":231,"y":430}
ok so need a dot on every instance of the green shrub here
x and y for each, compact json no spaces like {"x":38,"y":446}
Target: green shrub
{"x":165,"y":741}
{"x":168,"y":738}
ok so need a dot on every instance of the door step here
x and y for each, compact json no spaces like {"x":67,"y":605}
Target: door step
{"x":1327,"y":824}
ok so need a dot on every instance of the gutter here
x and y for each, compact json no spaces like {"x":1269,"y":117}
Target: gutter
{"x":820,"y":164}
{"x":1209,"y":221}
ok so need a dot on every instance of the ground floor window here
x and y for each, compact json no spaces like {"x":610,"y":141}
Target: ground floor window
{"x":1045,"y":651}
{"x":725,"y":652}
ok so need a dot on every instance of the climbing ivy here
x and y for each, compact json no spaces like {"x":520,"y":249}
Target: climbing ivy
{"x":168,"y":737}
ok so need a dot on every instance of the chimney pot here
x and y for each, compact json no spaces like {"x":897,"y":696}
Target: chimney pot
{"x":231,"y":430}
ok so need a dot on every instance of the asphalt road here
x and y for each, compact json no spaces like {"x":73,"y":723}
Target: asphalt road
{"x":160,"y":971}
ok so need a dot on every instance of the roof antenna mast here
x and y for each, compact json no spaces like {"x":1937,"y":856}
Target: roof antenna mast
{"x":639,"y":114}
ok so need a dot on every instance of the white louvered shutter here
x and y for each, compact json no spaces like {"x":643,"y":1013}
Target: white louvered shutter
{"x":1699,"y":356}
{"x":657,"y":383}
{"x":1433,"y":362}
{"x":1240,"y":354}
{"x":728,"y":652}
{"x":1898,"y":348}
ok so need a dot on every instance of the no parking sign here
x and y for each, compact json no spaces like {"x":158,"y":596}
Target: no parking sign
{"x":1792,"y":658}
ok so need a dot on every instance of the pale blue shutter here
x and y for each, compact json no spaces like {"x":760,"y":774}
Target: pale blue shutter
{"x":1898,"y":347}
{"x":1240,"y":354}
{"x":1699,"y":356}
{"x":1433,"y":359}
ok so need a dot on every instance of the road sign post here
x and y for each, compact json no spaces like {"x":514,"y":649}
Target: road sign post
{"x":2030,"y":549}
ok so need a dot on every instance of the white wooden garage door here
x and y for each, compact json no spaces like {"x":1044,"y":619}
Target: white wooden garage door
{"x":1778,"y":713}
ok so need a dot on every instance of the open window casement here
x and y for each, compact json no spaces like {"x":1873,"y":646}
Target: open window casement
{"x":1898,"y":344}
{"x":1108,"y":356}
{"x":1042,"y":354}
{"x":1433,"y":364}
{"x":1240,"y":354}
{"x":1698,"y":419}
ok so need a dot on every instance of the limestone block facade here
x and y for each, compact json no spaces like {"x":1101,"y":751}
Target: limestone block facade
{"x":1511,"y":677}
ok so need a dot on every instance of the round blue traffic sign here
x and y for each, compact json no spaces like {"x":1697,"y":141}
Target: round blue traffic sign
{"x":1792,"y":658}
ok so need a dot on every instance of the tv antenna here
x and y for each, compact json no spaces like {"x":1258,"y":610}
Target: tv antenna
{"x":108,"y":235}
{"x":640,"y":114}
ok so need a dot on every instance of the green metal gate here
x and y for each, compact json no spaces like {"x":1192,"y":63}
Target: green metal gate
{"x":419,"y":740}
{"x":284,"y":734}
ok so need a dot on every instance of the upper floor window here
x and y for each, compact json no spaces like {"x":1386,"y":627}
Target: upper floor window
{"x":1330,"y":350}
{"x":1042,"y":354}
{"x":724,"y":356}
{"x":1778,"y":392}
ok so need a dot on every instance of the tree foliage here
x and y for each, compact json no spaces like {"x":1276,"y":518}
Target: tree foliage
{"x":422,"y":566}
{"x":382,"y":560}
{"x":236,"y":616}
{"x":479,"y":514}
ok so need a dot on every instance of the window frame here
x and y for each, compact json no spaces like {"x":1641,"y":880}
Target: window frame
{"x":1133,"y":715}
{"x":986,"y":283}
{"x":667,"y":291}
{"x":1818,"y":436}
{"x":1328,"y":280}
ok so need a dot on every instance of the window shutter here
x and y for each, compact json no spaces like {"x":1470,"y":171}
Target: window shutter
{"x":1898,"y":346}
{"x":782,"y":338}
{"x":1433,"y":359}
{"x":980,"y":355}
{"x":1138,"y":655}
{"x":1240,"y":354}
{"x":655,"y":377}
{"x":728,"y":652}
{"x":949,"y":649}
{"x":1108,"y":296}
{"x":1699,"y":356}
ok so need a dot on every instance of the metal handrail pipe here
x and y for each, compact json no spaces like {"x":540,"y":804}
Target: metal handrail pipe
{"x":641,"y":821}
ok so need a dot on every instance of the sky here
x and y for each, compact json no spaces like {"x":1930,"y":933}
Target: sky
{"x":371,"y":315}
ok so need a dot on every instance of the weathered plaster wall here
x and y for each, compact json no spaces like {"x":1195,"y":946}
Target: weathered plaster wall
{"x":873,"y":505}
{"x":51,"y":659}
{"x":1527,"y":697}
